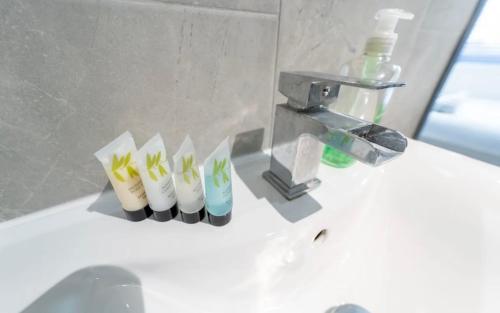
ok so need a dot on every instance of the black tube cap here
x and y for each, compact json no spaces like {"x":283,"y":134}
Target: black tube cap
{"x":163,"y":216}
{"x":219,"y":220}
{"x":191,"y":218}
{"x":138,"y":215}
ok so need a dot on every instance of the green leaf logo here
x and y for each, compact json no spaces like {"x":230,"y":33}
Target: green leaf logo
{"x":187,"y":168}
{"x":152,"y":175}
{"x":153,"y":165}
{"x":132,"y":172}
{"x":119,"y":177}
{"x":219,"y":169}
{"x":119,"y":163}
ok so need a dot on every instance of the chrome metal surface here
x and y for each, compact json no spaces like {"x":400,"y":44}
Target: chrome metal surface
{"x":303,"y":124}
{"x":294,"y":192}
{"x":311,"y":89}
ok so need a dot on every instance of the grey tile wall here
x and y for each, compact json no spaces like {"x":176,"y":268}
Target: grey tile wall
{"x":75,"y":74}
{"x":262,"y":6}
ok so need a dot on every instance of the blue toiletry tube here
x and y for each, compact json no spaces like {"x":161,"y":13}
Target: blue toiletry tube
{"x":218,"y":187}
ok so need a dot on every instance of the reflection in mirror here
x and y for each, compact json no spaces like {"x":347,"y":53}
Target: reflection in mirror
{"x":464,"y":114}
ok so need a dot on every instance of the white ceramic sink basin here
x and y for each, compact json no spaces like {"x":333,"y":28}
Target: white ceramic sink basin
{"x":419,"y":234}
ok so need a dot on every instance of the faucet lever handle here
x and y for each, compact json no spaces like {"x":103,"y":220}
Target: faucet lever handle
{"x":313,"y":89}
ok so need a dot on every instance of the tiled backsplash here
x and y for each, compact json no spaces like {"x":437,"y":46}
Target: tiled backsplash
{"x":75,"y":74}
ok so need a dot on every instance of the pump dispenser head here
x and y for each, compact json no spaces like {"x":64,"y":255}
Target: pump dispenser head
{"x":383,"y":38}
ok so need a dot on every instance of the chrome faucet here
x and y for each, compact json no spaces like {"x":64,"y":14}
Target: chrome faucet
{"x":303,"y":123}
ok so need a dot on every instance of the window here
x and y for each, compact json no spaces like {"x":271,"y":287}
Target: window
{"x":464,"y":116}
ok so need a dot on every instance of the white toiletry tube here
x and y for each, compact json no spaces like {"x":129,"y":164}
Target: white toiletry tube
{"x":117,"y":158}
{"x":157,"y":178}
{"x":190,"y":200}
{"x":218,"y":187}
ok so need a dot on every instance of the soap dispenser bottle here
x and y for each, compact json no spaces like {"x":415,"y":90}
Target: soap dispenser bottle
{"x":373,"y":64}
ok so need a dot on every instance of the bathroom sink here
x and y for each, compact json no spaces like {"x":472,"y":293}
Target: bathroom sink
{"x":419,"y":234}
{"x":97,"y":289}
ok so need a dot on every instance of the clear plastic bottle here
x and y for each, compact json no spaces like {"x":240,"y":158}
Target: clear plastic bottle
{"x":374,"y":63}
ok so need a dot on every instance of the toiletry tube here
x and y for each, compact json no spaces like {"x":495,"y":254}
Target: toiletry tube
{"x":117,"y":158}
{"x":188,"y":183}
{"x":157,"y":178}
{"x":218,"y":187}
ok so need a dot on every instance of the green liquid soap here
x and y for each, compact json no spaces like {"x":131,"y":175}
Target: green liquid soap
{"x":335,"y":158}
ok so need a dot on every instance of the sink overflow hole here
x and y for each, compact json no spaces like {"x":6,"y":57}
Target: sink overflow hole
{"x":321,"y":236}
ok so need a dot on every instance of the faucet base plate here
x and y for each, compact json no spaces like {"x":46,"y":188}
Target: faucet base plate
{"x":293,"y":192}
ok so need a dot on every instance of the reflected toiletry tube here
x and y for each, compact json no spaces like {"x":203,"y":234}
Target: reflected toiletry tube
{"x":188,"y":183}
{"x":117,"y":158}
{"x":218,"y":187}
{"x":157,"y":178}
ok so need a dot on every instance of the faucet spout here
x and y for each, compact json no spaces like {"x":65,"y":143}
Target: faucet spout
{"x":302,"y":124}
{"x":367,"y":142}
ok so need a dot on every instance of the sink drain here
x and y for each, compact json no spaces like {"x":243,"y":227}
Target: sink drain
{"x":321,"y":236}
